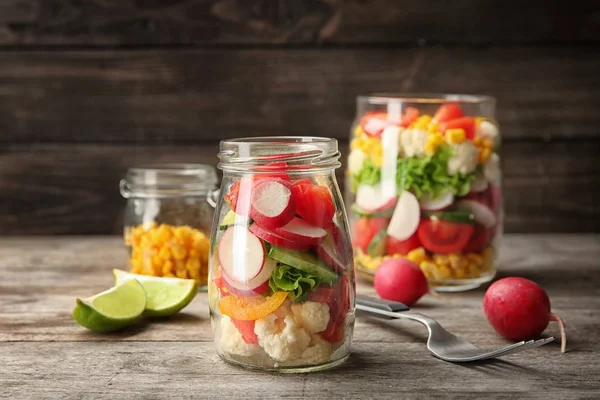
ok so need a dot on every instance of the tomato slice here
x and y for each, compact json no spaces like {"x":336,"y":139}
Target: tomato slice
{"x":466,"y":123}
{"x":410,"y":115}
{"x":395,"y":246}
{"x":246,"y":328}
{"x":338,"y":308}
{"x":250,"y":308}
{"x":478,"y":241}
{"x":447,"y":112}
{"x":365,"y":229}
{"x":314,"y":203}
{"x":444,"y":237}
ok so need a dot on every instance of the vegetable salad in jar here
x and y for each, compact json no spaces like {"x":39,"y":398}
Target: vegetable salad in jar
{"x":282,"y":284}
{"x":423,"y":183}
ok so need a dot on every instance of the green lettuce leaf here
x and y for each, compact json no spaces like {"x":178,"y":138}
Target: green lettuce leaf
{"x":419,"y":175}
{"x":289,"y":279}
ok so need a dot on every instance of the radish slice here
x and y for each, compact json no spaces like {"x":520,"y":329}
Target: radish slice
{"x":405,"y":220}
{"x":272,"y":204}
{"x":302,"y":232}
{"x":327,"y":253}
{"x":370,"y":198}
{"x":482,"y":213}
{"x":277,"y":240}
{"x":257,"y":285}
{"x":479,"y":184}
{"x":444,"y":200}
{"x":241,"y":254}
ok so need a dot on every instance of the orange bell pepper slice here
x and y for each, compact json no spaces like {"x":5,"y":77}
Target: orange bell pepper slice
{"x":250,"y":308}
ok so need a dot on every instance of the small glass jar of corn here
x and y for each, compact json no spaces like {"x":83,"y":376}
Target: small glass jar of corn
{"x":168,"y":219}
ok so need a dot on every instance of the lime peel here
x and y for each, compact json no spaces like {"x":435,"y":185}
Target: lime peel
{"x":113,"y":309}
{"x":166,"y":296}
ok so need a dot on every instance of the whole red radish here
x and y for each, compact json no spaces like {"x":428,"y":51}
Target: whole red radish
{"x":398,"y":279}
{"x":519,"y":309}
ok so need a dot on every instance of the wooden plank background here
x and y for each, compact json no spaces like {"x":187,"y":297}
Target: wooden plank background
{"x":90,"y":88}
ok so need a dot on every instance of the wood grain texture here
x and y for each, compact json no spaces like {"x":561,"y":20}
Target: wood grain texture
{"x":308,"y":22}
{"x":73,"y":189}
{"x":44,"y":354}
{"x":191,"y":96}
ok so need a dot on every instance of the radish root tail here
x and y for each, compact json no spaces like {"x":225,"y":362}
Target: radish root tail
{"x":563,"y":332}
{"x":437,"y":295}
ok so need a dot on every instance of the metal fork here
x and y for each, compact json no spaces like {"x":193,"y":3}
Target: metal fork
{"x":441,"y":343}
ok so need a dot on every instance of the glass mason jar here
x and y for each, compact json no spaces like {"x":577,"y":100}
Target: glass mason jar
{"x":423,"y":182}
{"x":168,"y":219}
{"x":281,"y":277}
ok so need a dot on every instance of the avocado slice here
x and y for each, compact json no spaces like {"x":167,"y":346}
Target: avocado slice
{"x":376,"y":247}
{"x":304,"y":261}
{"x":459,"y":216}
{"x":231,"y":218}
{"x":374,"y":214}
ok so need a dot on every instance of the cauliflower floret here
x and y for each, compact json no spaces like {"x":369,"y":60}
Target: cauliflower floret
{"x":487,"y":130}
{"x":464,"y":160}
{"x":232,"y":341}
{"x":312,"y":316}
{"x":356,"y":159}
{"x":491,"y":169}
{"x":283,"y":342}
{"x":412,"y":142}
{"x":318,"y":352}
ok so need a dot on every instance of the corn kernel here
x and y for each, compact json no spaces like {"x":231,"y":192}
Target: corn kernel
{"x":421,"y":123}
{"x":479,"y":120}
{"x":442,"y":273}
{"x":164,"y":253}
{"x":460,"y":273}
{"x":457,"y":261}
{"x":167,"y":268}
{"x":476,"y":258}
{"x":488,"y":144}
{"x":192,"y":264}
{"x":473,"y":270}
{"x":179,"y":252}
{"x":430,"y":148}
{"x":182,"y":233}
{"x":377,"y":160}
{"x":164,"y":233}
{"x":355,"y":144}
{"x":417,"y":255}
{"x":484,"y":155}
{"x":358,"y":131}
{"x":440,"y":259}
{"x":433,"y":127}
{"x":455,"y":136}
{"x":181,"y":274}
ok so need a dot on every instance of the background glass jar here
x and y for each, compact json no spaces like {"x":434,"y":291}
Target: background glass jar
{"x":281,"y":284}
{"x":424,"y":183}
{"x":168,"y":219}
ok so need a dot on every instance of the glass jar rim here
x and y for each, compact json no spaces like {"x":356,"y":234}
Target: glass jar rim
{"x":425,"y":98}
{"x":300,"y":153}
{"x":168,"y":180}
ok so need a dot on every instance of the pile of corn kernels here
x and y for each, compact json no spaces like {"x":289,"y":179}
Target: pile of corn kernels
{"x":438,"y":267}
{"x":168,"y":251}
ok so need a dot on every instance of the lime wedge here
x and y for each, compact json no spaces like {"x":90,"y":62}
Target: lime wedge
{"x":166,"y":296}
{"x":113,"y":309}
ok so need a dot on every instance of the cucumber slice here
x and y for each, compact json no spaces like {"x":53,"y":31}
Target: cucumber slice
{"x":461,"y":217}
{"x":375,"y":214}
{"x":304,"y":261}
{"x":231,"y":218}
{"x":376,"y":247}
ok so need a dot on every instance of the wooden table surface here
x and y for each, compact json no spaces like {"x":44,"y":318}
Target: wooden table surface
{"x":45,"y":354}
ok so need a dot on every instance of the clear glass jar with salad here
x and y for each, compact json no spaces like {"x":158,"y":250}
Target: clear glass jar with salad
{"x":281,"y":277}
{"x":423,"y":182}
